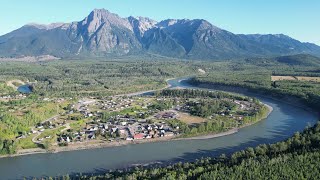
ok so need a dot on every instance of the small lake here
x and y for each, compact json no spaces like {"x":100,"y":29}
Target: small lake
{"x":282,"y":123}
{"x":26,"y":89}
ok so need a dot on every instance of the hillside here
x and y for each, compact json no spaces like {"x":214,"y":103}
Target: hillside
{"x":103,"y":33}
{"x":306,"y":60}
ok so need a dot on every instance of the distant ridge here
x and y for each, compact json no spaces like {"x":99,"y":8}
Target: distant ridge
{"x":103,"y":33}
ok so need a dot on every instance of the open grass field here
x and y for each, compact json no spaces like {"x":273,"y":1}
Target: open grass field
{"x":186,"y":118}
{"x":299,"y":78}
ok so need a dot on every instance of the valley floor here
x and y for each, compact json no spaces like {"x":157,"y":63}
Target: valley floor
{"x":105,"y":144}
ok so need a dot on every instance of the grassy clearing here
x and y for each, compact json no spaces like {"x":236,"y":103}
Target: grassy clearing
{"x":281,"y":78}
{"x":304,"y":78}
{"x":293,"y":78}
{"x":188,"y":119}
{"x":26,"y":143}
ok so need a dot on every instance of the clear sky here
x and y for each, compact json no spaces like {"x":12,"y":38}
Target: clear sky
{"x":299,"y":19}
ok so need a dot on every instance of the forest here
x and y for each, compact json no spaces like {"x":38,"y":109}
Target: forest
{"x":72,"y":78}
{"x":295,"y":158}
{"x":255,"y":74}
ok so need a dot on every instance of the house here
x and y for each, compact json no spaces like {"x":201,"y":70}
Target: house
{"x":114,"y":130}
{"x":148,"y":137}
{"x":138,"y":136}
{"x":91,"y":136}
{"x":33,"y":131}
{"x":123,"y":123}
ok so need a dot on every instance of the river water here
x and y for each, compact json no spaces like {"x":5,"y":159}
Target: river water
{"x":282,"y":123}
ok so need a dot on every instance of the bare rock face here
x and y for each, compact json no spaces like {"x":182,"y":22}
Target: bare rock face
{"x":106,"y":32}
{"x":101,"y":17}
{"x":140,"y":25}
{"x":103,"y":33}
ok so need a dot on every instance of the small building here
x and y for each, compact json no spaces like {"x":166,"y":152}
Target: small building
{"x":138,"y":136}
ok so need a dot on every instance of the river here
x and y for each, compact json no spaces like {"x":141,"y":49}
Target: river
{"x":282,"y":123}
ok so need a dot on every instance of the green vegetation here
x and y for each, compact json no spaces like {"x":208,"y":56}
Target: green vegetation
{"x":18,"y":116}
{"x":76,"y":79}
{"x":4,"y":89}
{"x":255,"y":74}
{"x":220,"y":109}
{"x":296,"y":158}
{"x":94,"y":78}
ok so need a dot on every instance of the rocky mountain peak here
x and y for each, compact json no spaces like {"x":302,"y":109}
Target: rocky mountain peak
{"x":141,"y":24}
{"x":99,"y":17}
{"x":104,"y":33}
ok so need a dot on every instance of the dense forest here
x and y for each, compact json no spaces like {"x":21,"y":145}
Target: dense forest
{"x":255,"y":75}
{"x":94,"y":78}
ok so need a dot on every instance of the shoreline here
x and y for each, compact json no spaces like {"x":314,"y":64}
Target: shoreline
{"x":229,"y":132}
{"x":293,"y":101}
{"x":103,"y":144}
{"x":147,"y":91}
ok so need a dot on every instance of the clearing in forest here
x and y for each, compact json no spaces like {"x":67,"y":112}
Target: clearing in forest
{"x":187,"y":118}
{"x":15,"y":83}
{"x":299,"y":78}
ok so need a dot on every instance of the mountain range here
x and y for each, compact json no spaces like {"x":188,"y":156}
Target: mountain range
{"x":103,"y":33}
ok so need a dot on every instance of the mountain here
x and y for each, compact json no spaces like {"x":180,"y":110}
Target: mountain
{"x":103,"y":33}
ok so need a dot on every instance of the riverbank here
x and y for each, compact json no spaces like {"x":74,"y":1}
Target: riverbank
{"x":287,"y":99}
{"x":229,"y":132}
{"x":105,"y":144}
{"x":147,"y":91}
{"x":95,"y":144}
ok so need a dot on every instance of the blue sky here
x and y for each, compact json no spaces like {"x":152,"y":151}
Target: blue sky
{"x":296,"y":18}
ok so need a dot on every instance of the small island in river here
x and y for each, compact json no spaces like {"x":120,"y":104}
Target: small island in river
{"x":171,"y":114}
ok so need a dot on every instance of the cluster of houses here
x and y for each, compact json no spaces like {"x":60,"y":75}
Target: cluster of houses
{"x":13,"y":97}
{"x":166,"y":115}
{"x":116,"y":104}
{"x":145,"y":124}
{"x":147,"y":131}
{"x":129,"y":129}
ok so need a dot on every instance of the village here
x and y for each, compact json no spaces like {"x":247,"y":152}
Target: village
{"x":12,"y":97}
{"x":123,"y":118}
